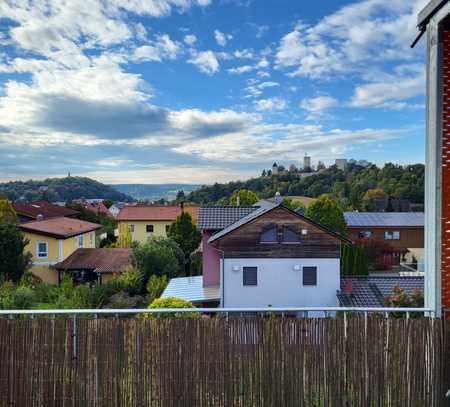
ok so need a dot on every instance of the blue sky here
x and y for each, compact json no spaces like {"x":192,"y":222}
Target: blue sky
{"x":199,"y":91}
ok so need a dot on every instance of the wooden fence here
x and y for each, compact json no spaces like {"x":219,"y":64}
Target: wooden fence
{"x":236,"y":362}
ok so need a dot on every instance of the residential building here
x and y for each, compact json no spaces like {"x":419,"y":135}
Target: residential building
{"x":265,"y":255}
{"x":404,"y":231}
{"x":86,"y":265}
{"x":53,"y":240}
{"x":341,"y":163}
{"x":115,"y":208}
{"x":28,"y":212}
{"x":99,"y":208}
{"x":146,"y":221}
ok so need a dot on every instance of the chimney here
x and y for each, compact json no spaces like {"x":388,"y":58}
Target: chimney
{"x":238,"y":201}
{"x":278,"y":198}
{"x":348,"y":289}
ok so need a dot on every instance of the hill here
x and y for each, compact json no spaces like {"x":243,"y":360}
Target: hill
{"x":154,"y":192}
{"x":60,"y":189}
{"x":356,"y":188}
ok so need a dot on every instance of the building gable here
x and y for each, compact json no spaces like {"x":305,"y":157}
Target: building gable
{"x":245,"y":241}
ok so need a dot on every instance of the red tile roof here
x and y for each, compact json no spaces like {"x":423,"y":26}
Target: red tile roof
{"x":141,"y":212}
{"x":61,"y":228}
{"x":44,"y":208}
{"x":97,"y":207}
{"x":99,"y":260}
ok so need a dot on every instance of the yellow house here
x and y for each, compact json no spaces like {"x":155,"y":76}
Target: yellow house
{"x":52,"y":240}
{"x":151,"y":220}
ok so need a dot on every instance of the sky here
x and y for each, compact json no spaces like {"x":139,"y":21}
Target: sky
{"x":204,"y":91}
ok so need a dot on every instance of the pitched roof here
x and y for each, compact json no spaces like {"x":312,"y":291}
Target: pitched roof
{"x":97,"y":207}
{"x":102,"y":260}
{"x":384,"y":219}
{"x":153,"y":212}
{"x":61,"y":228}
{"x":44,"y":208}
{"x":191,"y":289}
{"x":371,"y":291}
{"x":219,"y":217}
{"x":265,"y":207}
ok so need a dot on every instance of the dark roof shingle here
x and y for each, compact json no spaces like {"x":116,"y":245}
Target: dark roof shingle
{"x":219,"y":217}
{"x":371,"y":291}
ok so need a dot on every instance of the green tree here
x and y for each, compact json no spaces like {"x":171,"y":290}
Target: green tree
{"x":294,"y":205}
{"x":125,"y":240}
{"x":372,"y":196}
{"x":186,"y":234}
{"x":108,"y":203}
{"x":246,"y":197}
{"x":155,"y":287}
{"x":158,"y":256}
{"x":327,"y":212}
{"x":14,"y":261}
{"x":7,"y":212}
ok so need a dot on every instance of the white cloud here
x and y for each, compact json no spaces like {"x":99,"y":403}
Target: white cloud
{"x":241,"y":69}
{"x":389,"y":91}
{"x":270,"y":104}
{"x":205,"y":61}
{"x":222,"y":38}
{"x":190,"y":39}
{"x":244,"y":54}
{"x":318,"y":103}
{"x":255,"y":89}
{"x":345,"y":41}
{"x":162,"y":48}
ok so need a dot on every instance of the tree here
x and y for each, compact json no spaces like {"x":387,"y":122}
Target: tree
{"x":14,"y":261}
{"x":246,"y":198}
{"x":7,"y":212}
{"x":125,"y":239}
{"x":108,"y":203}
{"x":158,"y":256}
{"x":156,"y":286}
{"x":327,"y":213}
{"x":294,"y":205}
{"x":373,"y":198}
{"x":180,"y":195}
{"x":186,"y":234}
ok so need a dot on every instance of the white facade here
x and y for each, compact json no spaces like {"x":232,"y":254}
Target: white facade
{"x":280,"y":283}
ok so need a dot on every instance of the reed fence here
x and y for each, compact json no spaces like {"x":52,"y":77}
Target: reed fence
{"x":237,"y":362}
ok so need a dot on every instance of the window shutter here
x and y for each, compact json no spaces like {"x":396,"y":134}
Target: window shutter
{"x":309,"y":275}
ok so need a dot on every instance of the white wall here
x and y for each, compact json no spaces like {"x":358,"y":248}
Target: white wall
{"x":279,"y":285}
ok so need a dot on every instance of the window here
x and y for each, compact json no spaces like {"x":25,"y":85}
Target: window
{"x":309,"y":275}
{"x":42,"y":249}
{"x":149,"y":228}
{"x":392,"y":235}
{"x":80,"y":241}
{"x":269,"y":235}
{"x":167,"y":228}
{"x":131,"y":228}
{"x":250,"y":275}
{"x":290,"y":236}
{"x":365,"y":233}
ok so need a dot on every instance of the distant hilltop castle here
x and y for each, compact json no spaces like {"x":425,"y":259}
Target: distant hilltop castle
{"x":308,"y":168}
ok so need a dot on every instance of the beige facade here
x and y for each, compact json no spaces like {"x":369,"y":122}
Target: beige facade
{"x":47,"y":251}
{"x":141,"y":230}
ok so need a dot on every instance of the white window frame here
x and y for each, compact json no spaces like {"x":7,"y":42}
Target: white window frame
{"x":37,"y":249}
{"x":392,"y":235}
{"x":365,"y":233}
{"x":80,"y":241}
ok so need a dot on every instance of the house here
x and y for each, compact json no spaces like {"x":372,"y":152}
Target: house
{"x":151,"y":220}
{"x":94,"y":264}
{"x":99,"y":208}
{"x":115,"y":208}
{"x":28,"y":212}
{"x":263,"y":255}
{"x":371,"y":291}
{"x":404,"y":231}
{"x":53,"y":240}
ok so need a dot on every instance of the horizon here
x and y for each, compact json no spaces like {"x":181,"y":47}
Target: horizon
{"x":205,"y":91}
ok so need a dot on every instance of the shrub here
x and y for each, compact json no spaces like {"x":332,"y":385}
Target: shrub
{"x":156,"y":286}
{"x":12,"y":297}
{"x":131,"y":280}
{"x":172,"y":302}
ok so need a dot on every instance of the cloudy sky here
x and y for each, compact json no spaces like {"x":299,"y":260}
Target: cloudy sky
{"x":198,"y":91}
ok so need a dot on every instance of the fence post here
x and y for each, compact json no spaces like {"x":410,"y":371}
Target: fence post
{"x":74,"y":336}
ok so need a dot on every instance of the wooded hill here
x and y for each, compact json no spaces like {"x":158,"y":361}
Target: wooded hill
{"x":355,"y":188}
{"x":60,"y":189}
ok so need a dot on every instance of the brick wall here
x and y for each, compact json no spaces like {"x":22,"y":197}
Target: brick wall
{"x":446,"y":167}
